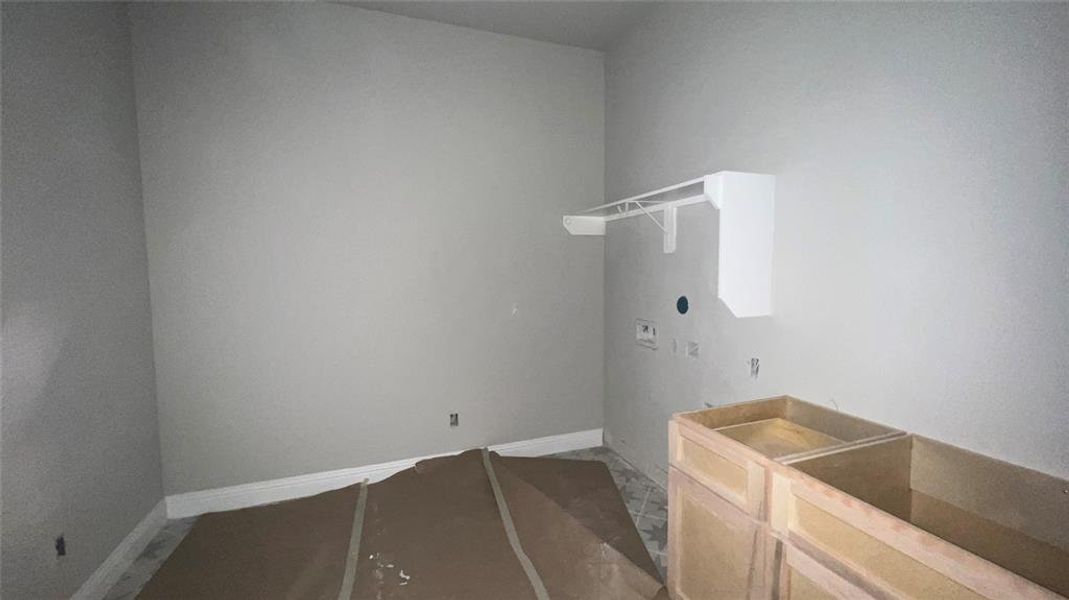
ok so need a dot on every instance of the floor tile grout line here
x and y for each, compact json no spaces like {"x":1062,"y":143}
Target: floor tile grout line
{"x":645,"y":499}
{"x":619,"y":458}
{"x":645,"y":503}
{"x":659,"y":518}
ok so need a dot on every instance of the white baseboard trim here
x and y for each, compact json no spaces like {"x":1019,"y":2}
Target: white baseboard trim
{"x":190,"y":504}
{"x":120,"y":559}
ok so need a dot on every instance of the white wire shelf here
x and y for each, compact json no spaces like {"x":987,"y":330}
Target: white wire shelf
{"x":747,"y":206}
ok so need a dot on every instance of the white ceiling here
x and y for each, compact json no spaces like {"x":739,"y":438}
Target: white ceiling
{"x":574,"y":23}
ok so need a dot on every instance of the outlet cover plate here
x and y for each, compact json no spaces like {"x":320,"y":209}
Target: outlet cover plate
{"x":646,"y":333}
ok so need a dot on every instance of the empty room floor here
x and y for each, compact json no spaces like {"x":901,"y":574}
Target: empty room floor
{"x":645,"y":499}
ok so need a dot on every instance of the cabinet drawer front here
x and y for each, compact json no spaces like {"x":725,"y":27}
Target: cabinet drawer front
{"x":799,"y":587}
{"x":869,"y":557}
{"x":714,"y":464}
{"x":716,"y":551}
{"x":803,"y":578}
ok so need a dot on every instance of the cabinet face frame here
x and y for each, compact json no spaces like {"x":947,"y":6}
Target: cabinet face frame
{"x":794,"y":494}
{"x":737,"y":472}
{"x":683,"y":488}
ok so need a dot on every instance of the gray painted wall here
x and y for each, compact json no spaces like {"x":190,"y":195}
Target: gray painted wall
{"x":80,"y":444}
{"x":921,"y":263}
{"x":354,"y":229}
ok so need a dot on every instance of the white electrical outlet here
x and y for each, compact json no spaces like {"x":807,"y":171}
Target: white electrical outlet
{"x":646,"y":333}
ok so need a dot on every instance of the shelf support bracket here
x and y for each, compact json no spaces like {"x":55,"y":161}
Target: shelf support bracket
{"x":661,"y":226}
{"x":667,"y":225}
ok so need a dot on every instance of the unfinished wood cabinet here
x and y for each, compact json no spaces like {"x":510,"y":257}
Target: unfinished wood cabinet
{"x":715,"y":550}
{"x":801,"y":577}
{"x":915,"y":518}
{"x":840,"y":507}
{"x":729,"y":449}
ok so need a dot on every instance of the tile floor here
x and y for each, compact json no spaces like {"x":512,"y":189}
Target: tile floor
{"x":646,"y":501}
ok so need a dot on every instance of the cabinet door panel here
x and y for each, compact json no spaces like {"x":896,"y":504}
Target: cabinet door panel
{"x":716,"y":551}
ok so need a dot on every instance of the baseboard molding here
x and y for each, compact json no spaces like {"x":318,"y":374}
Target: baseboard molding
{"x":120,"y":559}
{"x":191,"y":504}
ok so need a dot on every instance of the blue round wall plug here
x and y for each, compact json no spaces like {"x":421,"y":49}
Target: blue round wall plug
{"x":682,"y":305}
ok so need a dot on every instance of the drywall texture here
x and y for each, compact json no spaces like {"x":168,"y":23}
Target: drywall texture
{"x":80,"y":445}
{"x":921,"y":268}
{"x":354,"y":230}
